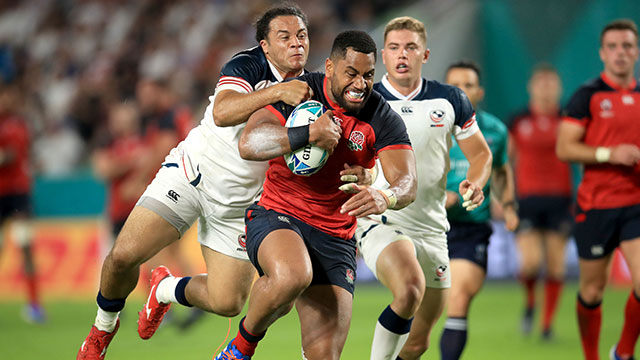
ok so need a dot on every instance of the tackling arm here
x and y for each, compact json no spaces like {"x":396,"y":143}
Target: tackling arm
{"x":264,"y":138}
{"x":232,"y":108}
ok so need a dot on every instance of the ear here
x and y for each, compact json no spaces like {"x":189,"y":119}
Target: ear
{"x":425,"y":56}
{"x":600,"y":52}
{"x":382,"y":56}
{"x":328,"y":67}
{"x":480,"y":94}
{"x":265,"y":46}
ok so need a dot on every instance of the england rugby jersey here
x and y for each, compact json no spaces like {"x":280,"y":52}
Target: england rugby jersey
{"x":610,"y":116}
{"x":432,"y":113}
{"x":213,"y":151}
{"x":316,"y":199}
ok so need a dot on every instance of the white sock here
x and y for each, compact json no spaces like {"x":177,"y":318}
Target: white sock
{"x":106,"y":320}
{"x":166,"y":291}
{"x":386,"y":344}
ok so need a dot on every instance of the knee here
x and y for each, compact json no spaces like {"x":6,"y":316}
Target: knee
{"x":409,"y":296}
{"x":122,"y":258}
{"x":415,"y":349}
{"x":458,"y":303}
{"x":225,"y":305}
{"x":289,"y":283}
{"x":592,"y":293}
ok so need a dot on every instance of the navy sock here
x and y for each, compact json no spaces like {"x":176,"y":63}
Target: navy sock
{"x":394,"y":323}
{"x":453,"y":338}
{"x":180,"y":295}
{"x":110,"y":305}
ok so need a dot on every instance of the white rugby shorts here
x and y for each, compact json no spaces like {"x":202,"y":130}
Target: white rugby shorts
{"x":170,"y":195}
{"x":431,"y":249}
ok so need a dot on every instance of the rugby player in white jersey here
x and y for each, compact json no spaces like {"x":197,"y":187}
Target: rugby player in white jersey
{"x":407,"y":249}
{"x":205,"y":179}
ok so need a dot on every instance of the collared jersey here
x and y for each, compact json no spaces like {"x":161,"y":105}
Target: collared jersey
{"x":226,"y":177}
{"x":496,"y":135}
{"x":432,"y":113}
{"x":610,"y":116}
{"x":316,"y":199}
{"x":537,"y":170}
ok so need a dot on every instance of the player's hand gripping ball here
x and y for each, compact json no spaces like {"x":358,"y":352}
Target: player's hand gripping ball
{"x":309,"y":159}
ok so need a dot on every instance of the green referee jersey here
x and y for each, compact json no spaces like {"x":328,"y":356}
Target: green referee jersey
{"x":496,"y":134}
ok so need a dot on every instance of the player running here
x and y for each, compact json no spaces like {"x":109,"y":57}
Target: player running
{"x":300,"y":233}
{"x":468,"y":237}
{"x":407,"y":249}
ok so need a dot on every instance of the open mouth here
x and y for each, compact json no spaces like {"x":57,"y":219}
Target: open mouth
{"x":354,"y":96}
{"x":402,"y":68}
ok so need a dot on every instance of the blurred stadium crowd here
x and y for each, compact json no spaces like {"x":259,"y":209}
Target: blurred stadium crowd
{"x":68,"y":62}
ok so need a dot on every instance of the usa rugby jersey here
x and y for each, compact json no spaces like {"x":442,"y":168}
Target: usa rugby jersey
{"x":610,"y":116}
{"x":538,"y":171}
{"x":316,"y":199}
{"x":432,"y":113}
{"x":496,"y":135}
{"x":213,"y":151}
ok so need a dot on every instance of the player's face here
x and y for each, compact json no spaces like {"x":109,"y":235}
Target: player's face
{"x":467,"y":80}
{"x":351,"y":79}
{"x":287,"y":44}
{"x":545,"y":86}
{"x":403,"y":55}
{"x":619,"y":52}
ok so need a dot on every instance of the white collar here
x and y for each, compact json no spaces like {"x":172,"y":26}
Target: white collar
{"x":387,"y":84}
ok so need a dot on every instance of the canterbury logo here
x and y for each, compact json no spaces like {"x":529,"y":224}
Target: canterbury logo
{"x":173,"y":196}
{"x":406,"y":110}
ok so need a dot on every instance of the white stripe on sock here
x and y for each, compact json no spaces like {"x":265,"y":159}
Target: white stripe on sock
{"x":456,"y":324}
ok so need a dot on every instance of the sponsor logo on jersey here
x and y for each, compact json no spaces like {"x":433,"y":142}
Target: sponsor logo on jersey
{"x":337,"y":120}
{"x":356,"y":140}
{"x":406,"y":109}
{"x":350,"y":276}
{"x":627,"y":100}
{"x":174,"y":196}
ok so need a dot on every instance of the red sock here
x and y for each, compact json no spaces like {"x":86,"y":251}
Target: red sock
{"x":32,"y":289}
{"x":552,"y":289}
{"x":589,"y":320}
{"x":245,"y":341}
{"x":631,"y":327}
{"x":529,"y":284}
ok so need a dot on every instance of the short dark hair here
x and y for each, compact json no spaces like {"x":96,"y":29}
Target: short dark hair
{"x":465,"y":64}
{"x":263,"y":23}
{"x":357,"y":40}
{"x":620,"y":24}
{"x":544,"y":67}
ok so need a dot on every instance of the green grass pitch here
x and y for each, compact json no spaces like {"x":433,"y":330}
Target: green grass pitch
{"x":493,"y":326}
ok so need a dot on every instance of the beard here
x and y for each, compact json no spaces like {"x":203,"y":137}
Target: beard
{"x":340,"y":96}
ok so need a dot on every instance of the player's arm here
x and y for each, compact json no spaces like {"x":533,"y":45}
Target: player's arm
{"x":399,"y":168}
{"x":570,"y":147}
{"x":477,"y":152}
{"x":503,"y":186}
{"x":232,"y":108}
{"x":265,"y":138}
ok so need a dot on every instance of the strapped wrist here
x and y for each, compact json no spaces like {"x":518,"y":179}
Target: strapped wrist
{"x":389,"y":197}
{"x":511,"y":203}
{"x":603,"y":154}
{"x":298,"y":137}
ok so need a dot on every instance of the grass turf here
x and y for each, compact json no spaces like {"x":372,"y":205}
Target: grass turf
{"x":494,"y":330}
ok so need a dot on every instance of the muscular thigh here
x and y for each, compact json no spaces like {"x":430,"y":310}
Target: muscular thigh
{"x":229,"y":275}
{"x":325,"y":316}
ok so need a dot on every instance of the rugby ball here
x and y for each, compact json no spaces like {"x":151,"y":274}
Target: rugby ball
{"x":310,"y":158}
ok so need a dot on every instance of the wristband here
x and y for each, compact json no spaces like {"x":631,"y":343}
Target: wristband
{"x":603,"y":154}
{"x":298,"y":136}
{"x":374,"y":173}
{"x":389,"y":197}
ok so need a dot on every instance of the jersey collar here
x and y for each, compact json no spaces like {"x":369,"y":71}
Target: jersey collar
{"x":387,"y":85}
{"x":276,"y":73}
{"x":333,"y":105}
{"x":614,"y":85}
